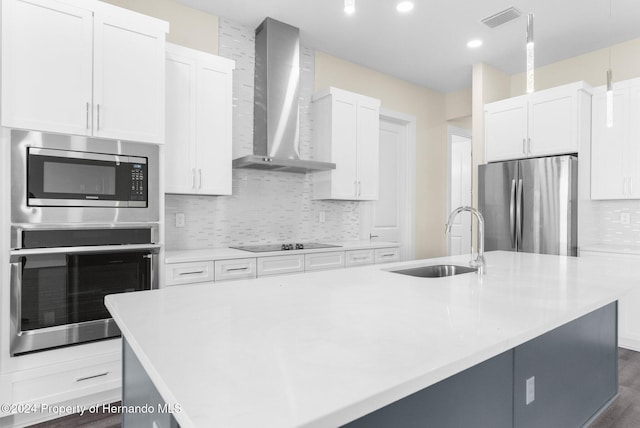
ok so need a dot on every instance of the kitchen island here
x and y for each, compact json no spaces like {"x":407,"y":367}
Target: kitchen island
{"x":324,"y":349}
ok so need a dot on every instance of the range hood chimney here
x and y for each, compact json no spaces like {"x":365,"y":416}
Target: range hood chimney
{"x":276,"y":96}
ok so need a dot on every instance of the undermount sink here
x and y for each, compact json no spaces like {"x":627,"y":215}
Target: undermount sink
{"x":436,"y":271}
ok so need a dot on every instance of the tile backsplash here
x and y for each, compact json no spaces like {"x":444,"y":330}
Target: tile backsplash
{"x":266,"y":207}
{"x":603,"y":223}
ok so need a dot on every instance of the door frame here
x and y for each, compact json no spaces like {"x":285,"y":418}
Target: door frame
{"x":408,"y":211}
{"x":466,"y":133}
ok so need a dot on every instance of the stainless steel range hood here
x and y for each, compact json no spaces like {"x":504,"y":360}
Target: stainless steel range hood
{"x":276,"y":95}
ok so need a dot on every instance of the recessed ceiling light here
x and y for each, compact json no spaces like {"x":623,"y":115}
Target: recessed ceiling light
{"x":474,"y":43}
{"x":404,"y":6}
{"x":349,"y":6}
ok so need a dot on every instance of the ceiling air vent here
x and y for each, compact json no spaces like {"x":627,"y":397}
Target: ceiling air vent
{"x":502,"y":17}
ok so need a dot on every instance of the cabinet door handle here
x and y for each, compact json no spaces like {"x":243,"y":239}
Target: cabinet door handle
{"x":193,"y":178}
{"x":371,"y":236}
{"x":200,"y":178}
{"x":98,"y":117}
{"x":524,"y":146}
{"x":355,"y":188}
{"x":359,"y":188}
{"x":87,"y":114}
{"x":236,"y":269}
{"x":528,"y":146}
{"x":193,"y":272}
{"x":81,"y":379}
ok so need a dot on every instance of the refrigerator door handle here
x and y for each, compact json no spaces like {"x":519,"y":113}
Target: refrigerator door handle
{"x":519,"y":212}
{"x":512,"y":213}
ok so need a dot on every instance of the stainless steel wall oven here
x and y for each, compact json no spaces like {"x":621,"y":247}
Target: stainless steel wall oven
{"x":59,"y":278}
{"x":84,"y":224}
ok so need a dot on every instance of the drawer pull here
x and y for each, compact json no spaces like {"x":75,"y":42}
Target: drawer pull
{"x":194,"y":272}
{"x":387,"y":255}
{"x":81,"y":379}
{"x":237,"y":269}
{"x":360,"y":258}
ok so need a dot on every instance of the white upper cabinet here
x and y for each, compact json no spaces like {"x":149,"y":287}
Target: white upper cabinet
{"x":614,"y":150}
{"x":199,"y":106}
{"x":129,"y":77}
{"x":506,"y":129}
{"x":84,"y":68}
{"x":346,"y":132}
{"x":547,"y":122}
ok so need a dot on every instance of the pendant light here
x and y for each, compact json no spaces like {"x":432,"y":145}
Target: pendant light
{"x":349,"y":6}
{"x":530,"y":59}
{"x":610,"y":81}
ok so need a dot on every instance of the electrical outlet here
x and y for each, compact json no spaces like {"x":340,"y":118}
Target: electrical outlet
{"x":625,"y":218}
{"x":321,"y":217}
{"x":531,"y":390}
{"x":179,"y":219}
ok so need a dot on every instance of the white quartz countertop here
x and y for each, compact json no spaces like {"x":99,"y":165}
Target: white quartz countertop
{"x":181,"y":256}
{"x":613,"y":248}
{"x":323,"y":348}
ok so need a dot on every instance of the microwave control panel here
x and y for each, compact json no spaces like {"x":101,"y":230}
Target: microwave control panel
{"x":138,"y":188}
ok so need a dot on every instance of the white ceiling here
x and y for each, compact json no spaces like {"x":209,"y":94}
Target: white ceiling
{"x":428,"y":45}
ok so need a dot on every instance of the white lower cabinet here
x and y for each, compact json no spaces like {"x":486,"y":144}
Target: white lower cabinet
{"x":226,"y":270}
{"x":82,"y":382}
{"x":68,"y":384}
{"x":189,"y":273}
{"x":628,"y":306}
{"x":278,"y":265}
{"x":386,"y":255}
{"x":324,"y":261}
{"x":359,"y":257}
{"x":248,"y":268}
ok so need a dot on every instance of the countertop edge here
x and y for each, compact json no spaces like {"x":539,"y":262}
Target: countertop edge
{"x":214,"y":254}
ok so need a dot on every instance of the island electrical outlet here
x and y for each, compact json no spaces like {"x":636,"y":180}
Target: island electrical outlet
{"x":179,"y":219}
{"x":531,"y":390}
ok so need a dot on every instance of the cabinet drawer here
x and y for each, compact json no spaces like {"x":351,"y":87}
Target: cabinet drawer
{"x":235,"y":269}
{"x":69,"y":384}
{"x":321,"y":261}
{"x":188,"y":273}
{"x":385,"y":255}
{"x":359,"y":257}
{"x":278,"y":265}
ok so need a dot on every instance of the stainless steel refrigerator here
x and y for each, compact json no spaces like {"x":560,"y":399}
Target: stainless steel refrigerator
{"x":530,"y":205}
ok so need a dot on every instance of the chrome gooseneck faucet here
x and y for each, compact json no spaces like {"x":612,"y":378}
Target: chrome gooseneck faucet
{"x":479,"y":262}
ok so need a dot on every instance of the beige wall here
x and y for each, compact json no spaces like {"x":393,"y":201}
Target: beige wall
{"x":431,"y":151}
{"x":489,"y":84}
{"x":188,"y":27}
{"x":458,"y":104}
{"x":590,"y":67}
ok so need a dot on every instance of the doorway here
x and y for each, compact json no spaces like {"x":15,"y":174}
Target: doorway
{"x":459,"y":189}
{"x":392,"y":217}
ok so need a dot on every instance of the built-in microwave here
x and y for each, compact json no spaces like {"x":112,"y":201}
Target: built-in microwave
{"x":84,"y":179}
{"x":65,"y":179}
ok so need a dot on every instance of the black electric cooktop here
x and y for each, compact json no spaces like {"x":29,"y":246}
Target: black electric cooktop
{"x":284,"y":247}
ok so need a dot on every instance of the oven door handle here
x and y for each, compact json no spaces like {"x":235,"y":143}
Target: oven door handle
{"x":153,"y":248}
{"x":16,"y":297}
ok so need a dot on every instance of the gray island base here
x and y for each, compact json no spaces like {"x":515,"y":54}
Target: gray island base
{"x":562,"y":378}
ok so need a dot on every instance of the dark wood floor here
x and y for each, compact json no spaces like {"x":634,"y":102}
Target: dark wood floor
{"x":623,"y":413}
{"x":96,"y":420}
{"x":625,"y":410}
